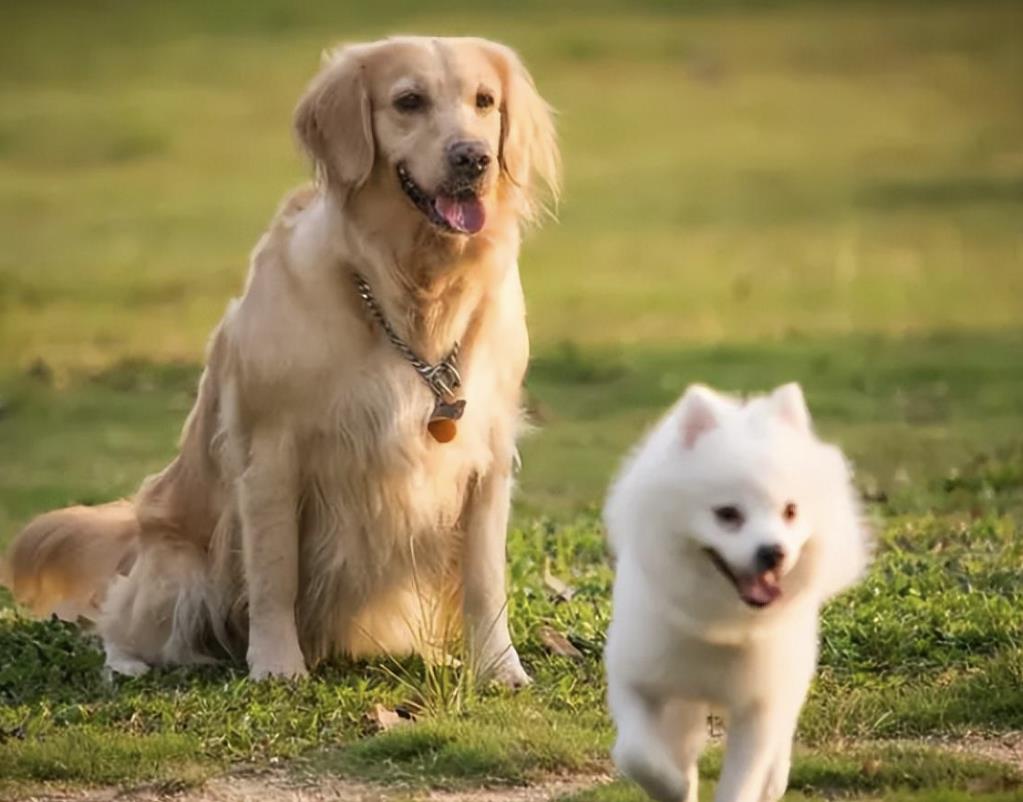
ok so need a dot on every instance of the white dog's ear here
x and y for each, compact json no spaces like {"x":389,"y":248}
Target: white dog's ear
{"x":334,"y":120}
{"x":700,"y":413}
{"x":789,"y":404}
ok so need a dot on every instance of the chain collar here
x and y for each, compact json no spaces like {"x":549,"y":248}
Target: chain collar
{"x":443,"y":379}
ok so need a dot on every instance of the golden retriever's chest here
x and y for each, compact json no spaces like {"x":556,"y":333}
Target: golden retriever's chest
{"x":376,"y":471}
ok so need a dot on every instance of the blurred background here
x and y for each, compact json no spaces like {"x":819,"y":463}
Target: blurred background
{"x":830,"y":192}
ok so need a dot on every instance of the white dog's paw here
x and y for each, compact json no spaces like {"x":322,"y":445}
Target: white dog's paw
{"x":660,"y":778}
{"x":120,"y":662}
{"x":507,"y":670}
{"x":777,"y":782}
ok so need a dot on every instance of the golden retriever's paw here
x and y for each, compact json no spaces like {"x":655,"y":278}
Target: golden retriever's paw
{"x":120,"y":662}
{"x":509,"y":673}
{"x":274,"y":652}
{"x":277,"y":670}
{"x":282,"y":664}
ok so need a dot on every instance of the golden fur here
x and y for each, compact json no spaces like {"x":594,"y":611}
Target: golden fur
{"x":308,"y":512}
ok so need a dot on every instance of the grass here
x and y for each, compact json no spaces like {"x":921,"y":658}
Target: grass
{"x":825,"y":192}
{"x":102,"y":757}
{"x":887,"y":773}
{"x":505,"y":741}
{"x":814,"y":169}
{"x":928,"y":645}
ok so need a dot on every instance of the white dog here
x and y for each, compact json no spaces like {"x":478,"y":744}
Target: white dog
{"x":732,"y":525}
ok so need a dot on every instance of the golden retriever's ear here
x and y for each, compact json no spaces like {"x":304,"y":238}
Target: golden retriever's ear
{"x":529,"y":154}
{"x":334,"y":120}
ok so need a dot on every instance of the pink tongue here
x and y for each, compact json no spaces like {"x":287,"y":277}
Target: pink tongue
{"x":467,"y":216}
{"x":759,"y":590}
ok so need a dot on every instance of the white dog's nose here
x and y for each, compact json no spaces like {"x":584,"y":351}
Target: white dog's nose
{"x":768,"y":557}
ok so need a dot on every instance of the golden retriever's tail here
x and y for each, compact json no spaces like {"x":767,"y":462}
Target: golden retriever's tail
{"x":62,"y":562}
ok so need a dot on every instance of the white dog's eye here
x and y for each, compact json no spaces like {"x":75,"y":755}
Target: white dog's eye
{"x":484,"y":100}
{"x":730,"y":516}
{"x":789,"y":513}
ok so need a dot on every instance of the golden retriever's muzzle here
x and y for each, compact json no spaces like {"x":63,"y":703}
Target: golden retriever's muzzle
{"x":456,"y":208}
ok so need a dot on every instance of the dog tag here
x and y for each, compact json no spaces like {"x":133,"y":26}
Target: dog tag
{"x":442,"y":426}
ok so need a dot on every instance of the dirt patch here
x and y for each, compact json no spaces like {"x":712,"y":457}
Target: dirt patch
{"x":1004,"y":747}
{"x":280,"y":787}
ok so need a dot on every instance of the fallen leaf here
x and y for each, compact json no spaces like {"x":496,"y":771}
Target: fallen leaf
{"x":40,"y":370}
{"x":558,"y":643}
{"x":382,"y":718}
{"x":561,"y":590}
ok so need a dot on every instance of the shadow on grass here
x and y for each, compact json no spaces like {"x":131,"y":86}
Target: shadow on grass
{"x":906,"y":410}
{"x":916,"y":379}
{"x":507,"y":739}
{"x":95,"y":756}
{"x":943,"y":192}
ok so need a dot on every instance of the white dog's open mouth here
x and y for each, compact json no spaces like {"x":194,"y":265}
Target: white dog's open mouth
{"x":461,"y":212}
{"x":757,"y":590}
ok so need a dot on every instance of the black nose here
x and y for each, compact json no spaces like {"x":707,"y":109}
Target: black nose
{"x":769,"y":557}
{"x":468,"y":159}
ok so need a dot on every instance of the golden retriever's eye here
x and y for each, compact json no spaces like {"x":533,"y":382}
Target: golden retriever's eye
{"x":730,"y":516}
{"x":409,"y":102}
{"x":789,"y":513}
{"x":484,"y":100}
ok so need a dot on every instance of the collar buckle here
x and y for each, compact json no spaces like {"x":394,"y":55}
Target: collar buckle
{"x":443,"y":378}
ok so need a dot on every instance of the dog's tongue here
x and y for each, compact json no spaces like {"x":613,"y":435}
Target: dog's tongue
{"x":462,"y":214}
{"x":759,"y":590}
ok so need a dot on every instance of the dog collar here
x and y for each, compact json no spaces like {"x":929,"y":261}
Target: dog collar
{"x":442,"y":378}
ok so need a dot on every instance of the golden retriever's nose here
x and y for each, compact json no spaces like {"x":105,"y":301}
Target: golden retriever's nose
{"x":468,"y":158}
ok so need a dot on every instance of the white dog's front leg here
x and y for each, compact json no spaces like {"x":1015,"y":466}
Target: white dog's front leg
{"x":754,"y":735}
{"x":781,"y":761}
{"x":786,"y":702}
{"x":778,"y":773}
{"x":684,"y":724}
{"x":484,"y":596}
{"x":640,"y":752}
{"x":269,"y":511}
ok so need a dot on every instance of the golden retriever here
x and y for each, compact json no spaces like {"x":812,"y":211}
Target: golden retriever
{"x":312,"y":509}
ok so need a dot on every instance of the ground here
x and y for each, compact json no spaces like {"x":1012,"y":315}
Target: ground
{"x":827,"y":192}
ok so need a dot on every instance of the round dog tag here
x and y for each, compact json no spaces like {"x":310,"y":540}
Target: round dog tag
{"x":443,"y":430}
{"x":442,"y":426}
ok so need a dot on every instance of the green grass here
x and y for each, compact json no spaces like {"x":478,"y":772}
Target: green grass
{"x":756,"y":193}
{"x":818,"y":168}
{"x":501,"y":741}
{"x":98,"y":756}
{"x":622,"y":792}
{"x":905,"y":408}
{"x":928,"y":644}
{"x":887,"y":773}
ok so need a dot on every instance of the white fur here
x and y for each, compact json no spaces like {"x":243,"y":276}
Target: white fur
{"x":681,"y":639}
